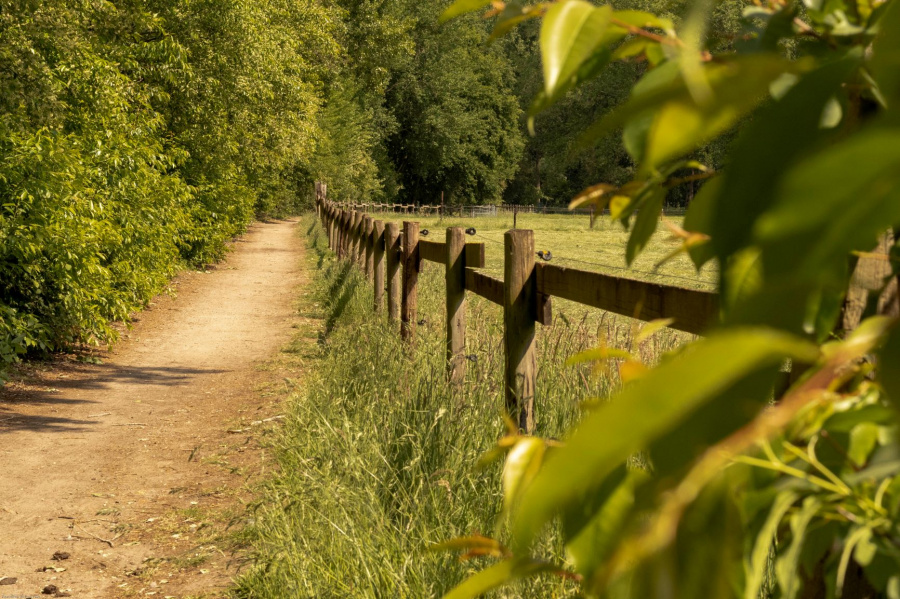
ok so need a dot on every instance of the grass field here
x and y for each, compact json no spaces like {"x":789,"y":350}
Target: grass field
{"x":574,"y":244}
{"x":377,"y":457}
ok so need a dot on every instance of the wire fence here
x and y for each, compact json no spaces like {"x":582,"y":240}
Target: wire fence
{"x":480,"y":211}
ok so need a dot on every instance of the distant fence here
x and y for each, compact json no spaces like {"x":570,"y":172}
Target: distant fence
{"x":392,"y":260}
{"x":489,"y":210}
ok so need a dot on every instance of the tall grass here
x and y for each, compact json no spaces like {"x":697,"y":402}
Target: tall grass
{"x":377,"y":456}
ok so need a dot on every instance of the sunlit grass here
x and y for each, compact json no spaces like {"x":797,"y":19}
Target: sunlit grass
{"x":574,"y":244}
{"x":377,"y":456}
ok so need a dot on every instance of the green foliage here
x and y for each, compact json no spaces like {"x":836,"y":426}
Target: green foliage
{"x":798,"y":479}
{"x":136,"y":139}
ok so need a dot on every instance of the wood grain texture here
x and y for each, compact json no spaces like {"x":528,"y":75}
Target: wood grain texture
{"x":354,"y":236}
{"x":519,"y":310}
{"x":544,"y":309}
{"x":368,"y":228}
{"x":475,"y":255}
{"x":433,"y":251}
{"x":410,"y":278}
{"x":392,"y":264}
{"x":455,"y":260}
{"x":484,"y":285}
{"x":693,"y":310}
{"x":378,"y":264}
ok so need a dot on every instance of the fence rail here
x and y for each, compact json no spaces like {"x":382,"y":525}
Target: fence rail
{"x":392,"y":260}
{"x":482,"y":211}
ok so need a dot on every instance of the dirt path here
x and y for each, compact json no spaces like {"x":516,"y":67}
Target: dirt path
{"x":136,"y":450}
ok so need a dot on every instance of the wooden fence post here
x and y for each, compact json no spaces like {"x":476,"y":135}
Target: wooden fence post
{"x":360,"y":256}
{"x":345,"y":234}
{"x":409,"y":294}
{"x":392,"y":249}
{"x":370,"y":248}
{"x":344,"y":240}
{"x":332,"y":220}
{"x":357,"y":238}
{"x":456,"y":304}
{"x":378,"y":263}
{"x":519,"y":309}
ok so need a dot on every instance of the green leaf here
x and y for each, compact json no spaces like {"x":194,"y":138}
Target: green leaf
{"x":777,"y":136}
{"x":679,"y":122}
{"x":859,"y":535}
{"x":699,"y":219}
{"x":652,"y":327}
{"x":496,"y":576}
{"x":885,"y":61}
{"x":571,"y":33}
{"x":634,"y":133}
{"x":632,"y":47}
{"x":759,"y":558}
{"x":595,"y":539}
{"x":520,"y":468}
{"x":513,"y":14}
{"x":684,"y":124}
{"x":836,"y":201}
{"x":758,"y":561}
{"x":461,"y":7}
{"x":786,"y":566}
{"x":863,"y":439}
{"x":643,"y":20}
{"x":843,"y":422}
{"x":744,"y":275}
{"x":649,"y":408}
{"x":645,"y":224}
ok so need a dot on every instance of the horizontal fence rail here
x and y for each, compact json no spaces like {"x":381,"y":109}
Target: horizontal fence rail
{"x":482,"y":211}
{"x":392,"y":260}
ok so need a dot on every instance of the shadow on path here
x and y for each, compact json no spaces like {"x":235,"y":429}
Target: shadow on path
{"x":65,"y":392}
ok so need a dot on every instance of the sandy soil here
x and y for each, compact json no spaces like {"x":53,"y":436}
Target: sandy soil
{"x":138,"y":467}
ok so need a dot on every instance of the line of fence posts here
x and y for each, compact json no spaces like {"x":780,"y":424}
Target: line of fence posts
{"x":392,"y":260}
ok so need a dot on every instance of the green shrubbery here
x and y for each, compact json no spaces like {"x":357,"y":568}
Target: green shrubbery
{"x":136,"y":139}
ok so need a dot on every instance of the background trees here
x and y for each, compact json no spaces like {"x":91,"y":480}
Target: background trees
{"x":136,"y":137}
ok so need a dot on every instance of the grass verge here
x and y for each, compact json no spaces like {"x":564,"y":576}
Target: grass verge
{"x":377,"y":454}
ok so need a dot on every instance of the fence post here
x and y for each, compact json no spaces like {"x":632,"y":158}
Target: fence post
{"x":378,"y":263}
{"x":327,"y":213}
{"x":392,"y":249}
{"x":456,"y":304}
{"x":332,"y":220}
{"x":519,"y":309}
{"x":345,"y":234}
{"x":360,"y":255}
{"x":409,"y":296}
{"x":351,"y":235}
{"x":370,"y":248}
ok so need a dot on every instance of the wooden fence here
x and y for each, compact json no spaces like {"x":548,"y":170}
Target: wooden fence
{"x":392,"y":260}
{"x":476,"y":211}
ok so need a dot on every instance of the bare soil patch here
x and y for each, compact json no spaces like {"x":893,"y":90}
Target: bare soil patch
{"x":125,"y":470}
